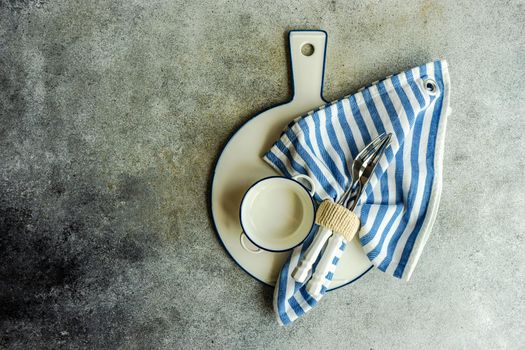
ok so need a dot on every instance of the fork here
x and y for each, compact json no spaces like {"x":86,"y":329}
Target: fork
{"x":314,"y":286}
{"x":367,"y":168}
{"x":302,"y":270}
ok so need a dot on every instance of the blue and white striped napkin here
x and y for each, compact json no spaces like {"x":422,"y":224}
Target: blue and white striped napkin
{"x":400,"y":202}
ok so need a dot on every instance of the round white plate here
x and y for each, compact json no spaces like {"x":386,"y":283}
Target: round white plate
{"x":240,"y":165}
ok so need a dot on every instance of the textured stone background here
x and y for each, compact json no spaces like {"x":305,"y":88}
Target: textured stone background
{"x":113,"y":112}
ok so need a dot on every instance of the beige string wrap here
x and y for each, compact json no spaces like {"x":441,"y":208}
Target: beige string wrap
{"x":337,"y":218}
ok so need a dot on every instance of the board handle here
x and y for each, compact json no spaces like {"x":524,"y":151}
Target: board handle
{"x":308,"y":55}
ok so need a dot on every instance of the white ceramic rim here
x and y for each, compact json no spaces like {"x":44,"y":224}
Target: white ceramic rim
{"x":254,"y":238}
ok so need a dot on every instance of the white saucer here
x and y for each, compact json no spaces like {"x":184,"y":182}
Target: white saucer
{"x":240,"y":165}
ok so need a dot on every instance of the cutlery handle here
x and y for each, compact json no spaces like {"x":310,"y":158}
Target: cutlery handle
{"x":315,"y":284}
{"x":300,"y":274}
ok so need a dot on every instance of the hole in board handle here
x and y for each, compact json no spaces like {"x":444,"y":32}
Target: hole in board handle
{"x":307,"y":49}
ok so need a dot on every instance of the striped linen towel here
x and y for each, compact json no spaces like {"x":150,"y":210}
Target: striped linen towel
{"x":399,"y":204}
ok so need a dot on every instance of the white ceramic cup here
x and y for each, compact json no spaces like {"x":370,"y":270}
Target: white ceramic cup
{"x":277,"y":213}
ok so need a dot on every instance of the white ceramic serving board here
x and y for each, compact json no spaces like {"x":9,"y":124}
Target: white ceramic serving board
{"x":241,"y":164}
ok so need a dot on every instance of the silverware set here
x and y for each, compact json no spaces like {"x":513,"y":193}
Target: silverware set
{"x":362,"y":169}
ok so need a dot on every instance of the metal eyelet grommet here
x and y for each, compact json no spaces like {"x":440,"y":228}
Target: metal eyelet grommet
{"x":431,"y":86}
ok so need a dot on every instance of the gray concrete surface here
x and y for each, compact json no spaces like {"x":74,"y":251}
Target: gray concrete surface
{"x":113,"y":112}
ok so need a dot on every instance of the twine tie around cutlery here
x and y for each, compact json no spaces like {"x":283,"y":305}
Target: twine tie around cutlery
{"x":337,"y":218}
